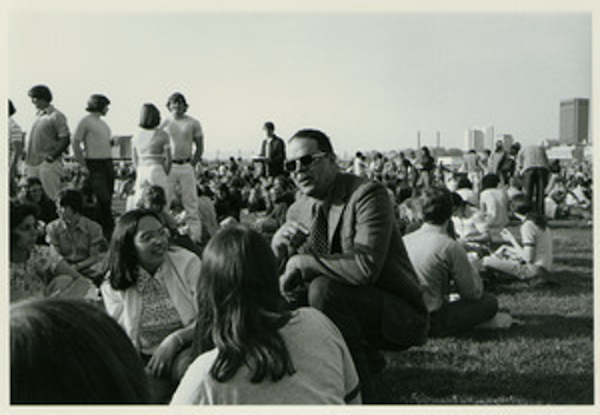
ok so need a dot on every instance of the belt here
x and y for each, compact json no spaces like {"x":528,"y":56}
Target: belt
{"x":183,"y":161}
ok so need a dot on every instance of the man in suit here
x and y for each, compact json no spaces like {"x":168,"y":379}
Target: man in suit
{"x":273,"y":151}
{"x":341,"y":252}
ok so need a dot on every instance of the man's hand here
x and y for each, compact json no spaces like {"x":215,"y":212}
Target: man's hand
{"x":294,"y":276}
{"x":289,"y":237}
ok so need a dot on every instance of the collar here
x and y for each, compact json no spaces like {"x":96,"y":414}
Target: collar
{"x":431,"y":228}
{"x":78,"y":225}
{"x":46,"y":111}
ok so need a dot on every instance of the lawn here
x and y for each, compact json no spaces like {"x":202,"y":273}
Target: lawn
{"x":547,"y":360}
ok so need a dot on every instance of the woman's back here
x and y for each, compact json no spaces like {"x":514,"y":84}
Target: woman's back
{"x":151,"y":144}
{"x":325,"y":373}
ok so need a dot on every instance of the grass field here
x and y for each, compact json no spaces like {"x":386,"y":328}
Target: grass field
{"x":547,"y":360}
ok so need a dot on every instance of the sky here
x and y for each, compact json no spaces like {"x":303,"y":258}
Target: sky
{"x":371,"y":80}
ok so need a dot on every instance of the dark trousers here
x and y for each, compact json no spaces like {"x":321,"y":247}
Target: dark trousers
{"x":535,"y":181}
{"x":356,"y":311}
{"x":102,"y":181}
{"x":462,"y":315}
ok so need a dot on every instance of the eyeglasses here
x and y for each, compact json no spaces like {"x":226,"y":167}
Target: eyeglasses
{"x":149,"y":236}
{"x":304,"y":161}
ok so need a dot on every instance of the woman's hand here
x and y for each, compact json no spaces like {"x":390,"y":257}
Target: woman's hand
{"x":160,"y":363}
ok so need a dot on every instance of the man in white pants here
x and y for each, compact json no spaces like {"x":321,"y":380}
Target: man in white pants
{"x":187,"y":146}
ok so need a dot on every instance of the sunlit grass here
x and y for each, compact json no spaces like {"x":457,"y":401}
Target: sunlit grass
{"x":547,"y":360}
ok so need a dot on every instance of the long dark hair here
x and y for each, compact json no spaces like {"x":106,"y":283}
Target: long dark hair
{"x":18,"y":213}
{"x":241,"y":308}
{"x":71,"y":352}
{"x":122,"y":259}
{"x":522,"y":206}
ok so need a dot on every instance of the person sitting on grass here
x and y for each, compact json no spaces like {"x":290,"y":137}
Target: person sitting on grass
{"x":154,"y":199}
{"x":38,"y":271}
{"x":532,"y":257}
{"x":150,"y":289}
{"x":494,"y":204}
{"x":31,"y":192}
{"x":70,"y":352}
{"x":78,"y":239}
{"x":452,"y":287}
{"x":470,"y":227}
{"x":252,"y":348}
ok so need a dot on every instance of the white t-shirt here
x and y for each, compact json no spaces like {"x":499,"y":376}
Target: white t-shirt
{"x":95,"y":136}
{"x":494,"y":205}
{"x":533,"y":235}
{"x":325,"y":372}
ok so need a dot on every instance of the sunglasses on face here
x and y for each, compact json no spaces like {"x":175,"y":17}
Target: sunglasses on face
{"x":304,"y":161}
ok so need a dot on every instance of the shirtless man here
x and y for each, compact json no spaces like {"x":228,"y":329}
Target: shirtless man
{"x":187,"y":146}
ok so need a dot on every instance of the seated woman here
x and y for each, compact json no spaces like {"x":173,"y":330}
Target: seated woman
{"x":470,"y":227}
{"x":533,"y":258}
{"x":150,"y":289}
{"x":494,"y":205}
{"x":254,"y":350}
{"x":76,"y":238}
{"x":31,"y":192}
{"x":69,"y":352}
{"x":37,"y":270}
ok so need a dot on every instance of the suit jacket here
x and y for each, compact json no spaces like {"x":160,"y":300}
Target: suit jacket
{"x":367,"y":249}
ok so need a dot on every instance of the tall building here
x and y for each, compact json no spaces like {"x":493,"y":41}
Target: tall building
{"x":574,"y":121}
{"x":490,"y":137}
{"x":474,"y":139}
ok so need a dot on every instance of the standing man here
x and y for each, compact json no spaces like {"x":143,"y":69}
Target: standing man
{"x":187,"y":146}
{"x":342,"y":253}
{"x":273,"y":150}
{"x":48,"y":140}
{"x":533,"y":165}
{"x":92,"y":147}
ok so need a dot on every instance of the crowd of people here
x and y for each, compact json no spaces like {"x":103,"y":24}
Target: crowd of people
{"x":276,"y":280}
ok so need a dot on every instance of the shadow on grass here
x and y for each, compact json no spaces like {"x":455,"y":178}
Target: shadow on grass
{"x":574,"y":262}
{"x":429,"y":386}
{"x":560,"y":282}
{"x":538,"y":327}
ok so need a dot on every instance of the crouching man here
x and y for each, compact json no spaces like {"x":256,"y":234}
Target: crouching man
{"x":340,"y":251}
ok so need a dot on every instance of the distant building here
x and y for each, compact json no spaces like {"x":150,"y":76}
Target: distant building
{"x":574,"y":121}
{"x":507,"y":141}
{"x":122,"y":147}
{"x":474,"y":139}
{"x":490,"y":137}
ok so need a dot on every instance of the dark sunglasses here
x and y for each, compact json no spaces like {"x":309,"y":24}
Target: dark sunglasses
{"x":304,"y":161}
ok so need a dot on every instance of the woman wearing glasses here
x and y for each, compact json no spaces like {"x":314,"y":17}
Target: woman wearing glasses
{"x":150,"y":289}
